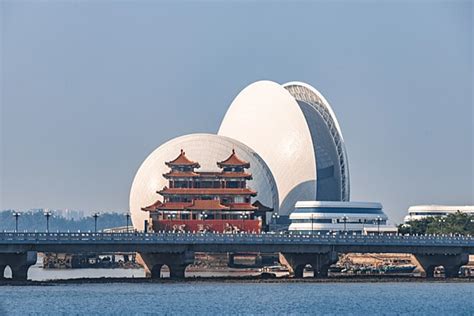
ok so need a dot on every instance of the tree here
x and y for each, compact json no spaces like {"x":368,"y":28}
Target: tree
{"x":457,"y":223}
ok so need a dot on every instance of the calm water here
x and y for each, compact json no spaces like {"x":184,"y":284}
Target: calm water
{"x":209,"y":298}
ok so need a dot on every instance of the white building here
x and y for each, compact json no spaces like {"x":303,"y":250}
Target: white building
{"x":418,"y":212}
{"x":293,"y":128}
{"x":330,"y":216}
{"x":207,"y":149}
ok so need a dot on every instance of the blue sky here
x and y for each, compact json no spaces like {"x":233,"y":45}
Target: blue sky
{"x":89,"y":89}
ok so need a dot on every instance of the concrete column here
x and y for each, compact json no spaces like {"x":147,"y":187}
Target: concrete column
{"x":19,"y":272}
{"x":296,"y":262}
{"x":177,"y":271}
{"x":19,"y":264}
{"x":2,"y":271}
{"x":155,"y":271}
{"x":450,"y":263}
{"x":176,"y":262}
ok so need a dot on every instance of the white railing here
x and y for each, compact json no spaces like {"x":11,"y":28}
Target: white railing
{"x":220,"y":238}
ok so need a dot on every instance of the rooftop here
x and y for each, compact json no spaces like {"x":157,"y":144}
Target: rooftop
{"x":233,"y":160}
{"x":207,"y":191}
{"x":182,"y":160}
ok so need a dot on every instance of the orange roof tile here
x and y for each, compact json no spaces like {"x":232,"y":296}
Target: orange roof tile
{"x":215,"y":175}
{"x":233,"y":160}
{"x":152,"y":207}
{"x":182,"y":160}
{"x":207,"y":191}
{"x":176,"y":174}
{"x":210,"y":205}
{"x":174,"y":205}
{"x":242,"y":206}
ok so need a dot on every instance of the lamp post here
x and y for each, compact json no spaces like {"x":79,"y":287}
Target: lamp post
{"x":275,"y":217}
{"x":16,"y":215}
{"x":441,"y":223}
{"x":127,"y":216}
{"x":344,"y":219}
{"x":47,"y":214}
{"x":243,"y":217}
{"x":96,"y":216}
{"x":379,"y":219}
{"x":312,"y":223}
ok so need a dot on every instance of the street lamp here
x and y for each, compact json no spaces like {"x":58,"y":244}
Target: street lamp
{"x":243,"y":217}
{"x":344,"y":219}
{"x":16,"y":215}
{"x":47,"y":214}
{"x":379,"y":219}
{"x":96,"y":216}
{"x":128,"y":219}
{"x":275,"y":217}
{"x":203,"y":215}
{"x":312,"y":223}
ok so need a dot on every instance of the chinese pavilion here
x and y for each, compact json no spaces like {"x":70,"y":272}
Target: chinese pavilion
{"x":197,"y":201}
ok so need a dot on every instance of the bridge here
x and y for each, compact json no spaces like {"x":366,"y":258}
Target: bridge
{"x":176,"y":250}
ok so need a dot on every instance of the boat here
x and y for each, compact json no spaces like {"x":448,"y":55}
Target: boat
{"x":407,"y":268}
{"x":275,"y":271}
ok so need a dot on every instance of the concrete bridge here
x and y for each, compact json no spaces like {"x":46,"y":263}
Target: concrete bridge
{"x":176,"y":250}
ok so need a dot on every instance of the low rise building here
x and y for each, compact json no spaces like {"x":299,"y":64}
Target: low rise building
{"x":418,"y":212}
{"x":332,"y":216}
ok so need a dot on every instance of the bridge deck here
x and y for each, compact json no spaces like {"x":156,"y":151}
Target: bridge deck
{"x":7,"y":238}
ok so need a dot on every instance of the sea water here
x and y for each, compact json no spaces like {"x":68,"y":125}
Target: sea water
{"x":224,"y":298}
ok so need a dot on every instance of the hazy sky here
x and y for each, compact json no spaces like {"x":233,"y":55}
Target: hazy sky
{"x":90,"y":88}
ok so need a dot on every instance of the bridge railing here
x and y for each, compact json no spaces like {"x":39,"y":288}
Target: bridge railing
{"x":216,"y":238}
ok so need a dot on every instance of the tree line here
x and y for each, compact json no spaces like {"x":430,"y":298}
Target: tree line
{"x":32,"y":221}
{"x":457,"y":223}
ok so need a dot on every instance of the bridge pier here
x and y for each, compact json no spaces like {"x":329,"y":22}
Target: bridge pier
{"x":450,"y":263}
{"x":176,"y":262}
{"x":320,"y":262}
{"x":19,"y":263}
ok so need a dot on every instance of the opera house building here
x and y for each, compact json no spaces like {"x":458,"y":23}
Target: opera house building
{"x":250,"y":172}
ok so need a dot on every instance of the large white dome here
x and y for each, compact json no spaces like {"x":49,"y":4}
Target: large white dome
{"x":293,"y":128}
{"x":206,"y":149}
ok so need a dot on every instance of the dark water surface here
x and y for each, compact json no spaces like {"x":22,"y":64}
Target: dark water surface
{"x":210,"y":298}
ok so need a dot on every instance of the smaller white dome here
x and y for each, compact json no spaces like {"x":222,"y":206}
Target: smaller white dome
{"x":207,"y":149}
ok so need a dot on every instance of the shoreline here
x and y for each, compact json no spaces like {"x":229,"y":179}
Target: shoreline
{"x":358,"y":279}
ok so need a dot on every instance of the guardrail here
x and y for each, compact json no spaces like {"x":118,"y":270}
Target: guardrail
{"x":220,"y":238}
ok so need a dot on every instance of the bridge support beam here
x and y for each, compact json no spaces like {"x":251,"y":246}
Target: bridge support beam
{"x":176,"y":262}
{"x":450,"y":263}
{"x":320,"y":262}
{"x":19,"y":263}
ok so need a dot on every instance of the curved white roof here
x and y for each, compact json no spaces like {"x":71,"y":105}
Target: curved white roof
{"x":207,"y":149}
{"x":293,"y":128}
{"x":304,"y":92}
{"x":334,"y":204}
{"x":441,"y":208}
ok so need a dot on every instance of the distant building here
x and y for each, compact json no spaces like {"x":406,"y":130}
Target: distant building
{"x":331,"y":216}
{"x":204,"y":201}
{"x":418,"y":212}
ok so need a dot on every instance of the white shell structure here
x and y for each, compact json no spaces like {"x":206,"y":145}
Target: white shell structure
{"x":293,"y":128}
{"x":207,"y":149}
